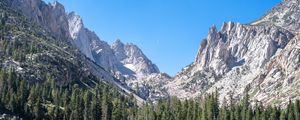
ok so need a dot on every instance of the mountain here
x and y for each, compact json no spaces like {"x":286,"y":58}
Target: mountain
{"x":43,"y":77}
{"x":52,"y":67}
{"x":126,"y":62}
{"x":260,"y":59}
{"x":133,"y":58}
{"x":57,"y":52}
{"x":144,"y":76}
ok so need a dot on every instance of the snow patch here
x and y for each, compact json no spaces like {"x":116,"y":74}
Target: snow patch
{"x":98,"y":51}
{"x":130,"y":66}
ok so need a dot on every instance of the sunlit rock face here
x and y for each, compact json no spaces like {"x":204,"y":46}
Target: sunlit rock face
{"x":260,"y":59}
{"x":125,"y":61}
{"x":52,"y":17}
{"x":133,"y":58}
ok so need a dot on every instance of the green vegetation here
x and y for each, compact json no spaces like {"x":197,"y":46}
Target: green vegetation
{"x":35,"y":53}
{"x":50,"y":101}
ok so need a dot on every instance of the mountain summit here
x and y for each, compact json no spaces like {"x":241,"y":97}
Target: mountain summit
{"x":133,"y":58}
{"x":126,"y":62}
{"x":260,"y":59}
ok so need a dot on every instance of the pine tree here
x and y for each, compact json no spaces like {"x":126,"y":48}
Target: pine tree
{"x":246,"y":112}
{"x":176,"y":108}
{"x":283,"y":115}
{"x":67,"y":110}
{"x":190,"y":110}
{"x":184,"y":111}
{"x":297,"y":110}
{"x":87,"y":106}
{"x":290,"y":111}
{"x":116,"y":111}
{"x":38,"y":109}
{"x":12,"y":102}
{"x":215,"y":104}
{"x":77,"y":113}
{"x":237,"y":112}
{"x":96,"y":108}
{"x":223,"y":115}
{"x":205,"y":111}
{"x":106,"y":107}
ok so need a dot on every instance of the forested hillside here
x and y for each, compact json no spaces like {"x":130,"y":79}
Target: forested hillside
{"x":20,"y":99}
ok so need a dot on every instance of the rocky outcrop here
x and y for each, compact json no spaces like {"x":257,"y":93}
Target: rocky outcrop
{"x":285,"y":15}
{"x":229,"y":59}
{"x":124,"y":61}
{"x":133,"y":58}
{"x":236,"y":45}
{"x":279,"y":81}
{"x":52,"y":17}
{"x":79,"y":34}
{"x":260,"y":59}
{"x":141,"y":74}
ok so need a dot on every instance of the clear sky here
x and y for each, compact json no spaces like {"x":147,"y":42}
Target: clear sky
{"x":168,"y":31}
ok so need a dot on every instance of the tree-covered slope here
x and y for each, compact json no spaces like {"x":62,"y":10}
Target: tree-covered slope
{"x":32,"y":52}
{"x":37,"y":54}
{"x":42,"y":77}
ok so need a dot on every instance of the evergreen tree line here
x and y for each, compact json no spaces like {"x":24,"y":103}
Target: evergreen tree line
{"x":208,"y":108}
{"x":50,"y":101}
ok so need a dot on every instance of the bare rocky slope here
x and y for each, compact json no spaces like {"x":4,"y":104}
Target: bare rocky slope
{"x":126,"y":62}
{"x":62,"y":57}
{"x":261,"y":59}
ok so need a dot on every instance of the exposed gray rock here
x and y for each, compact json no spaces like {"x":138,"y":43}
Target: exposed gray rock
{"x":260,"y":59}
{"x":286,"y":15}
{"x":52,"y":17}
{"x":79,"y":34}
{"x":123,"y":61}
{"x":133,"y":58}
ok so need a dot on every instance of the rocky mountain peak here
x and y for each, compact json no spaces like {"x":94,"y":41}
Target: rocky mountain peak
{"x":133,"y":58}
{"x":75,"y":24}
{"x":227,"y":26}
{"x":58,"y":6}
{"x":119,"y":50}
{"x":261,"y":58}
{"x":212,"y":30}
{"x":236,"y":44}
{"x":118,"y":42}
{"x":229,"y":59}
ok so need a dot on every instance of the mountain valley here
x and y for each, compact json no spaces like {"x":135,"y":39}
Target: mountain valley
{"x":44,"y":45}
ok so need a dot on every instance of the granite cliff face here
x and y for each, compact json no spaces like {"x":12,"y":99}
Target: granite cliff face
{"x":79,"y":34}
{"x":70,"y":25}
{"x":133,"y":58}
{"x":52,"y":17}
{"x":123,"y":61}
{"x":145,"y":77}
{"x":260,"y":59}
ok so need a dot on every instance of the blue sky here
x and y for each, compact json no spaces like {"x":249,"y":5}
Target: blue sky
{"x":168,"y":31}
